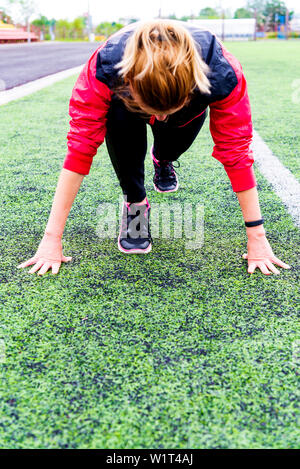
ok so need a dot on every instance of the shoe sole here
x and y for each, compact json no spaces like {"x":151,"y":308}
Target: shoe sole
{"x":134,"y":251}
{"x":166,"y":192}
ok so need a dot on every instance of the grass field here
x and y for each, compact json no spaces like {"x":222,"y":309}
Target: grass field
{"x":273,"y":74}
{"x":177,"y":349}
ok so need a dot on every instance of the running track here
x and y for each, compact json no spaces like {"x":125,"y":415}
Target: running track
{"x":22,"y":63}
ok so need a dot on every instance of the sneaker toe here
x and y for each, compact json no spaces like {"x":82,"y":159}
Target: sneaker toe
{"x":132,"y":244}
{"x":166,"y":187}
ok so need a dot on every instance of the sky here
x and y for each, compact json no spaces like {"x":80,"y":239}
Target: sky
{"x":112,"y":10}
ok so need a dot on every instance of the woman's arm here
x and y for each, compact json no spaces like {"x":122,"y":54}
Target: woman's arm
{"x":260,"y":253}
{"x":231,"y":129}
{"x":67,"y":188}
{"x":49,"y":253}
{"x":88,"y":108}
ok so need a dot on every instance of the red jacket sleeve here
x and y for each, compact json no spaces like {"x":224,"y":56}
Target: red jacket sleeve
{"x":231,"y":130}
{"x":88,"y":108}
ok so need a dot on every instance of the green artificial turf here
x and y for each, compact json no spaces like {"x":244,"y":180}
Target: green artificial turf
{"x":176,"y":349}
{"x":272,"y":69}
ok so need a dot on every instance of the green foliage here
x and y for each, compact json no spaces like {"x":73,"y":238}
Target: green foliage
{"x":272,"y":35}
{"x":243,"y":13}
{"x":273,"y":9}
{"x":267,"y":11}
{"x":43,"y":23}
{"x":172,"y":17}
{"x":78,"y":27}
{"x":65,"y":29}
{"x":209,"y":13}
{"x":5,"y":17}
{"x":185,"y":18}
{"x":107,"y":29}
{"x":294,"y":35}
{"x":257,"y":8}
{"x":176,"y":349}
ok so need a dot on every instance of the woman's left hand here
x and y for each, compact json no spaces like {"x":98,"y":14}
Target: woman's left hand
{"x":260,"y":255}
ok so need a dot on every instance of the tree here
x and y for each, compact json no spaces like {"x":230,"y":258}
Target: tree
{"x":209,"y":13}
{"x":43,"y":23}
{"x":25,"y":9}
{"x":77,"y":28}
{"x":63,"y":29}
{"x":257,"y":8}
{"x":257,"y":5}
{"x":243,"y":13}
{"x":172,"y":17}
{"x":272,"y":11}
{"x":107,"y":29}
{"x":185,"y":18}
{"x":4,"y":16}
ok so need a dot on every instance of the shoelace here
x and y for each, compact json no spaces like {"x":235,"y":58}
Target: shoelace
{"x":168,"y":169}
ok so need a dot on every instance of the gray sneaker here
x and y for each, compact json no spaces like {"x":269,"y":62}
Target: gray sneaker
{"x":135,"y":236}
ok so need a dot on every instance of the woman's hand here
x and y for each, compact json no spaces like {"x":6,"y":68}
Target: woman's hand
{"x":49,"y":255}
{"x":260,"y":255}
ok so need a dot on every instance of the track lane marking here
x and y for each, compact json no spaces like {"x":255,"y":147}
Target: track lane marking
{"x":18,"y":92}
{"x":284,"y":184}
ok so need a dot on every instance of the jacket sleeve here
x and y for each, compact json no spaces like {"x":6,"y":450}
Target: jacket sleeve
{"x":231,"y":130}
{"x":88,"y":108}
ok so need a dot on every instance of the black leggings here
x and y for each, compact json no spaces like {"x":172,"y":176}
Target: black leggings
{"x":126,"y":141}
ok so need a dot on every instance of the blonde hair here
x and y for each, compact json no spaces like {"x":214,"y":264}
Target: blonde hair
{"x":162,"y":67}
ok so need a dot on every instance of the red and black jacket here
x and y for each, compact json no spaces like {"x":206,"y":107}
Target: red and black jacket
{"x":230,"y":112}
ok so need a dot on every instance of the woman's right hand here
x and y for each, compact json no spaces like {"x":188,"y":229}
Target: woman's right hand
{"x":49,"y":255}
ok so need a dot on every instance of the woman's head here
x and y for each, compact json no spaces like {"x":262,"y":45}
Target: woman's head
{"x":162,"y":67}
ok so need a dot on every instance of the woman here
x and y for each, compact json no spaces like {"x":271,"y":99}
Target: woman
{"x":165,"y":74}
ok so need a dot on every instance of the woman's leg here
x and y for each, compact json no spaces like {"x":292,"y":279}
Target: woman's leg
{"x":171,"y":141}
{"x":126,"y":141}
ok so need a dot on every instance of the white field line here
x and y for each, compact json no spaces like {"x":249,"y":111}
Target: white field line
{"x":24,"y":90}
{"x":283,"y":182}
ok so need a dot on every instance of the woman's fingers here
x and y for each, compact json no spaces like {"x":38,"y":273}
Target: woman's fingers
{"x":43,"y":265}
{"x":272,"y":267}
{"x":36,"y":267}
{"x":263,"y":268}
{"x":55,"y":268}
{"x":261,"y":265}
{"x":44,"y":268}
{"x":66,"y":259}
{"x":265,"y":265}
{"x":280,"y":263}
{"x":30,"y":261}
{"x":251,"y":267}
